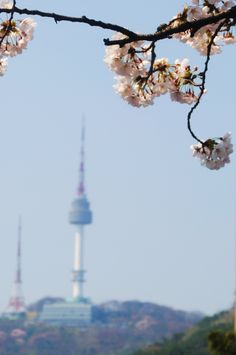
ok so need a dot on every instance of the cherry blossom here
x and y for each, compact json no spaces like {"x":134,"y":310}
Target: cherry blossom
{"x":214,"y":153}
{"x":140,"y":79}
{"x":124,"y":60}
{"x":14,"y":36}
{"x":132,"y":91}
{"x":202,"y":38}
{"x":3,"y":65}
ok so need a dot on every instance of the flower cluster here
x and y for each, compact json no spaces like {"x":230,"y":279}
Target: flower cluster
{"x":140,"y":78}
{"x":14,"y":36}
{"x":214,"y":153}
{"x":202,"y":38}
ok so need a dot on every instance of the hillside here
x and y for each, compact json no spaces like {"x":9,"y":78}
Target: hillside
{"x":195,"y":340}
{"x":143,"y":317}
{"x":118,"y":328}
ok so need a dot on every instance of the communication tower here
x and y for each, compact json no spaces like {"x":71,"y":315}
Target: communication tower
{"x":16,"y":307}
{"x":80,"y":216}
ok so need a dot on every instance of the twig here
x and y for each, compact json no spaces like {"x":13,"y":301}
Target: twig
{"x":203,"y":81}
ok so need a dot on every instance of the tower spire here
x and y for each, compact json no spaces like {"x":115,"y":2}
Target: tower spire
{"x":18,"y":270}
{"x":81,"y":187}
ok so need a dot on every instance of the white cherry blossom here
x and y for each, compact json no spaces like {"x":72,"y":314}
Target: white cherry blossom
{"x":194,"y":13}
{"x":214,"y":153}
{"x":3,"y":66}
{"x":6,"y":4}
{"x":124,"y":60}
{"x":16,"y":36}
{"x":132,"y":92}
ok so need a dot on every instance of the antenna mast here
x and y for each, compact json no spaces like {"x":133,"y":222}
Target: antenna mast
{"x":16,"y":308}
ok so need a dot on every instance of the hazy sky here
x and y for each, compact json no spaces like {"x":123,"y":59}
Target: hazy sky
{"x":164,"y":227}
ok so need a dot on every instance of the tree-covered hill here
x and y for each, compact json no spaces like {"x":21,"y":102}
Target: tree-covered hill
{"x":117,"y":328}
{"x":194,"y":341}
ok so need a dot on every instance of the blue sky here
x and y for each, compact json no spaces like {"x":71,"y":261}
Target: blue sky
{"x":164,"y":227}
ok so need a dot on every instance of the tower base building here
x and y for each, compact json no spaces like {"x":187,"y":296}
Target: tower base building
{"x":67,"y":314}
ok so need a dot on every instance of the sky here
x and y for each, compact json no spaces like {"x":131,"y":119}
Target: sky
{"x":164,"y":226}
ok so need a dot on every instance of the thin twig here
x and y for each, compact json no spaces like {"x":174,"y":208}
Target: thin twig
{"x":151,"y":68}
{"x":209,"y":47}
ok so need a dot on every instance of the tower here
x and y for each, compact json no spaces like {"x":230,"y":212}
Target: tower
{"x":80,"y":216}
{"x":75,"y":312}
{"x":16,"y":308}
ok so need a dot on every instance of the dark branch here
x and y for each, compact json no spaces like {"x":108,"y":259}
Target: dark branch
{"x":83,"y":19}
{"x":164,"y":32}
{"x":168,"y":32}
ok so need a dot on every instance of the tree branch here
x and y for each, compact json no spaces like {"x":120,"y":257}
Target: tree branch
{"x":164,"y":33}
{"x":168,"y":32}
{"x":83,"y":19}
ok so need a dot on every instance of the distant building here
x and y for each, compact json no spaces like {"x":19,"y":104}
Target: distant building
{"x":71,"y":314}
{"x":76,"y":312}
